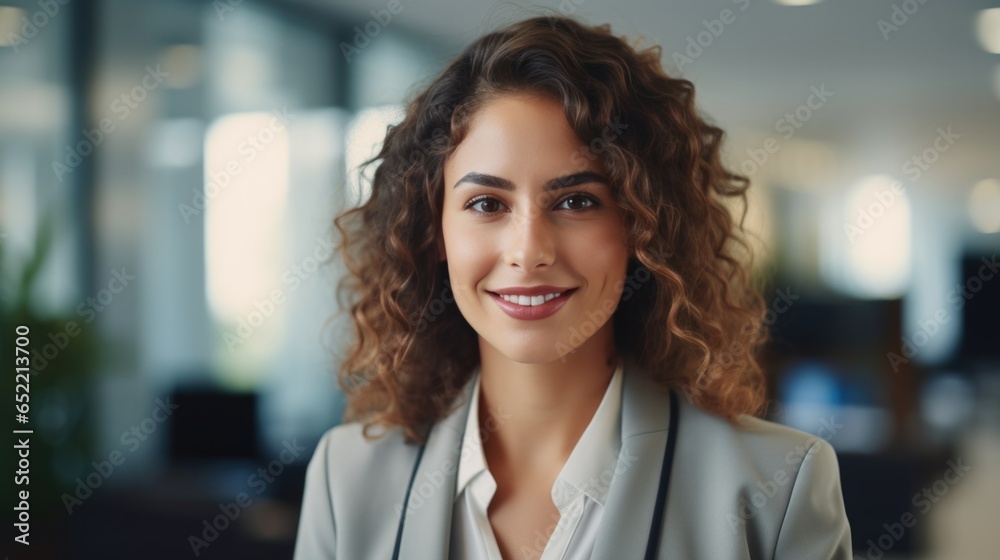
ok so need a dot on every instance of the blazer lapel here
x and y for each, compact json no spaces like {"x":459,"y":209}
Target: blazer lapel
{"x":624,"y":528}
{"x":625,"y":522}
{"x":427,"y":529}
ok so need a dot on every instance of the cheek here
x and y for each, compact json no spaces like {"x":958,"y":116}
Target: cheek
{"x":470,"y":257}
{"x":601,"y":248}
{"x":602,"y":258}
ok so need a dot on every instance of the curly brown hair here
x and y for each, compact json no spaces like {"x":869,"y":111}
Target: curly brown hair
{"x":693,"y":322}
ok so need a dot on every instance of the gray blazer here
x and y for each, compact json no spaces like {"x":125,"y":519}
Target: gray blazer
{"x":756,"y":491}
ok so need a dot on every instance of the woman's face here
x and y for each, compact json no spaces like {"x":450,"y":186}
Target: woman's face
{"x":527,"y":205}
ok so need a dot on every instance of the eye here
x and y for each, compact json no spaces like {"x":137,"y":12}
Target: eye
{"x":578,"y":198}
{"x":487,"y":205}
{"x":485,"y":202}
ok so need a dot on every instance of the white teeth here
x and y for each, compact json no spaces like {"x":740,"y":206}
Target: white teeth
{"x":530,"y":301}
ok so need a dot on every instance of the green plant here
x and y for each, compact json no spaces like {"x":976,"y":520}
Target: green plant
{"x":61,"y":366}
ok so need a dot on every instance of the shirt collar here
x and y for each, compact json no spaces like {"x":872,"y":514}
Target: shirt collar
{"x":591,"y":464}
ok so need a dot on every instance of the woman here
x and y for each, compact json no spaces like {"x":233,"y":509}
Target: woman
{"x":545,"y":262}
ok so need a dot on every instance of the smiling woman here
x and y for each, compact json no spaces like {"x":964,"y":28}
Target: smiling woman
{"x":545,"y":261}
{"x":520,"y":223}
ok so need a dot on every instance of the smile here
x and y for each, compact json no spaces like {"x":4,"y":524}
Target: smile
{"x":532,"y":307}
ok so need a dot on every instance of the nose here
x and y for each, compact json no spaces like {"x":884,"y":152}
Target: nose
{"x":531,"y":242}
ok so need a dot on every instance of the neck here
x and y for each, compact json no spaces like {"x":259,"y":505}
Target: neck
{"x":532,"y":414}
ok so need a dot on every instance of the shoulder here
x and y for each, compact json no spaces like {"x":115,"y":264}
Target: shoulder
{"x":370,"y":469}
{"x":351,"y":483}
{"x":358,"y":473}
{"x":757,"y":441}
{"x":773,"y":484}
{"x":358,"y":458}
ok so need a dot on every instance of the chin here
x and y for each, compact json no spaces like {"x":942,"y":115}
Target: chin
{"x":533,"y":350}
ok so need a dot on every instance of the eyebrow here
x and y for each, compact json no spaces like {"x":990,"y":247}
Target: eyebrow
{"x":563,"y":182}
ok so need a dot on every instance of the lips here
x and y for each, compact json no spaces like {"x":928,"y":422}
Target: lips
{"x":532,"y":290}
{"x":532,"y":312}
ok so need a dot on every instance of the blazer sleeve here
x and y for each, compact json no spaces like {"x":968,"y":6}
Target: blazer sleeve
{"x":815,"y":526}
{"x":317,"y":532}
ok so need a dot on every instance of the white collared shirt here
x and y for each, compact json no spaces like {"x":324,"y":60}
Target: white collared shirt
{"x":578,"y":493}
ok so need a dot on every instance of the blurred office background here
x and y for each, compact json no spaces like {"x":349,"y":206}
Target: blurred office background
{"x":169,"y":170}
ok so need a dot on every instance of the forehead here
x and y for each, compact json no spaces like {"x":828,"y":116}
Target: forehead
{"x":522,"y":136}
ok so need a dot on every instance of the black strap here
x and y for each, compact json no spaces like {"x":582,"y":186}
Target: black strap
{"x":406,"y":500}
{"x":661,"y":492}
